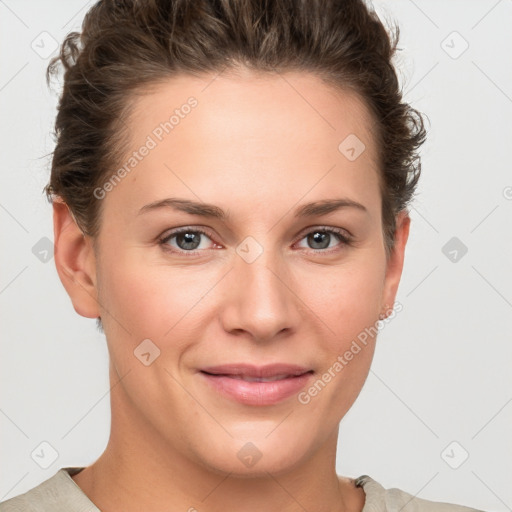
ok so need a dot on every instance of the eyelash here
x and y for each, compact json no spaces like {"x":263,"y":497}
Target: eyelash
{"x":343,"y":237}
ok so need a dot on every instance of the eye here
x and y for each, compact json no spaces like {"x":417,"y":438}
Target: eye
{"x":323,"y":238}
{"x":193,"y":241}
{"x":185,"y":240}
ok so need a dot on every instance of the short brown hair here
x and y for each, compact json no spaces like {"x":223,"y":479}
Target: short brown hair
{"x":126,"y":45}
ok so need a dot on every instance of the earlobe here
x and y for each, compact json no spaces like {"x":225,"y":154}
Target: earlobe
{"x":395,"y":262}
{"x":75,"y":261}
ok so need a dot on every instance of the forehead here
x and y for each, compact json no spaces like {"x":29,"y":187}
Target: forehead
{"x":245,"y":104}
{"x":252,"y":132}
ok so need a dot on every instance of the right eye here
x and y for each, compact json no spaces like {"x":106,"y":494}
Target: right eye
{"x":185,"y":240}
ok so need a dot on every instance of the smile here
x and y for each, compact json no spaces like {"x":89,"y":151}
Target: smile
{"x":256,"y":386}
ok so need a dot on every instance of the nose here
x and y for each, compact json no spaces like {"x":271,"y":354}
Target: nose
{"x":260,"y":299}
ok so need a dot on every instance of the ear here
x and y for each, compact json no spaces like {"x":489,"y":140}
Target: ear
{"x":75,"y":261}
{"x":395,"y":262}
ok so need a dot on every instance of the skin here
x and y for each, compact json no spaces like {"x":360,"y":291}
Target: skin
{"x":258,"y":148}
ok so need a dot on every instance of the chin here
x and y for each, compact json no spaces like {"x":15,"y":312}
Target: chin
{"x":257,"y":454}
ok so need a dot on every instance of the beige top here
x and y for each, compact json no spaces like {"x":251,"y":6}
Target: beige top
{"x":60,"y":493}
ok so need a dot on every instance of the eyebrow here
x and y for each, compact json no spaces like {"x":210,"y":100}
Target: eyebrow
{"x":210,"y":210}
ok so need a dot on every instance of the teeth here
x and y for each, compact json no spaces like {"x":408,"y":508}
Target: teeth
{"x":260,"y":379}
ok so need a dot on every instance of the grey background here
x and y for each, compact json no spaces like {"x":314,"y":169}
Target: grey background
{"x":442,"y":368}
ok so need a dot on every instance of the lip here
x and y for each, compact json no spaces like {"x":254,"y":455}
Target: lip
{"x":227,"y":380}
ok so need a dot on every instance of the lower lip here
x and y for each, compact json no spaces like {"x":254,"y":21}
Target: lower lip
{"x":257,"y":393}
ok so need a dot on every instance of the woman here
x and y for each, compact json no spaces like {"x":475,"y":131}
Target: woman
{"x":230,"y":189}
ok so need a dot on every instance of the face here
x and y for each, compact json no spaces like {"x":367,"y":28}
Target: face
{"x":240,"y":271}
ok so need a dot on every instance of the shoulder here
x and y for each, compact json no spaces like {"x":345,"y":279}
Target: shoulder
{"x":379,"y":499}
{"x":56,"y":494}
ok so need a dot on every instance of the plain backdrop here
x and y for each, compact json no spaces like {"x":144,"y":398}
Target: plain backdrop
{"x":435,"y":415}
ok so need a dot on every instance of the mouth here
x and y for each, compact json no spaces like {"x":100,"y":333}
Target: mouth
{"x":257,"y":385}
{"x":248,"y":378}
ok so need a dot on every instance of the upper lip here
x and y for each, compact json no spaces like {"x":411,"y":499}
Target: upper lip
{"x":249,"y":370}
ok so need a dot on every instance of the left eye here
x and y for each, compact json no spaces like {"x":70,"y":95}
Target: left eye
{"x":322,"y":238}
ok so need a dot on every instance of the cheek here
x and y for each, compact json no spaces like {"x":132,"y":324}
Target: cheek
{"x":133,"y":299}
{"x":347,"y":300}
{"x":151,"y":301}
{"x":347,"y":297}
{"x":143,"y":300}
